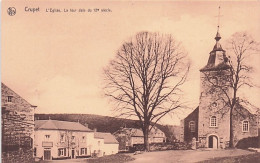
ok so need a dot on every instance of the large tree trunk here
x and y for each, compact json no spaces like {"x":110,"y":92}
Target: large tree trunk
{"x":146,"y":138}
{"x":231,"y":137}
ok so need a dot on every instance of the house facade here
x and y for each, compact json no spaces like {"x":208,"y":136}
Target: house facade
{"x":62,"y":140}
{"x":17,"y":127}
{"x":105,"y":144}
{"x":55,"y":140}
{"x":128,"y":137}
{"x":209,"y":123}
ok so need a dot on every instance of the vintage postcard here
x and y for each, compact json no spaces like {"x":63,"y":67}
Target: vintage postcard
{"x":130,"y":81}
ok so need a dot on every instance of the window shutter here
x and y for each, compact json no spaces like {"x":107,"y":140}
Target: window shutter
{"x":65,"y":152}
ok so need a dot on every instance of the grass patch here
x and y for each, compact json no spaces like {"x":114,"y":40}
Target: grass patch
{"x":251,"y":158}
{"x":116,"y":158}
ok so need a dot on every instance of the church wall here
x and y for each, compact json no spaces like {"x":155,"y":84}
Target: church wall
{"x":188,"y":135}
{"x":238,"y":122}
{"x":214,"y":113}
{"x":211,"y":104}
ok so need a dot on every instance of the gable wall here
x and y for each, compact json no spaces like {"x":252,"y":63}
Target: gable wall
{"x":238,"y":121}
{"x":188,"y":135}
{"x":17,"y":126}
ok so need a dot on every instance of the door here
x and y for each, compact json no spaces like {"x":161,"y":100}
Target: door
{"x":213,"y":142}
{"x":72,"y":153}
{"x":47,"y":154}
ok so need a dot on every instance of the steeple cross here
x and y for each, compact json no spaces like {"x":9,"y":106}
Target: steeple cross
{"x":219,"y":16}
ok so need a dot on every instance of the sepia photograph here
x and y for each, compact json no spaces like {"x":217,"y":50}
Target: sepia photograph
{"x":91,"y":81}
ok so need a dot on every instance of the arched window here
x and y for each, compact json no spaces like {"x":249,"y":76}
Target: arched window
{"x":245,"y":126}
{"x":213,"y":121}
{"x":192,"y":126}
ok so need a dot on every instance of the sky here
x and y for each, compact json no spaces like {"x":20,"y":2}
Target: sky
{"x":55,"y":60}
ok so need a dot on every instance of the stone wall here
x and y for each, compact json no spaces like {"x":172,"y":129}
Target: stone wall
{"x":18,"y":156}
{"x":241,"y":114}
{"x":188,"y":135}
{"x":212,"y":104}
{"x":17,"y":126}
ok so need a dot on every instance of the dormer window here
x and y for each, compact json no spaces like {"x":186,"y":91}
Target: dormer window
{"x":9,"y":98}
{"x":213,"y":121}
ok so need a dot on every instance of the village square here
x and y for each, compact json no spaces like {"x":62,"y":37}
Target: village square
{"x":180,"y":85}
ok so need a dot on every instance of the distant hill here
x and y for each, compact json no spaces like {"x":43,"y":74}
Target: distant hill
{"x":102,"y":123}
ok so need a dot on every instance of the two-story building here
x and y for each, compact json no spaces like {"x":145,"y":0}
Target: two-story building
{"x":62,"y":139}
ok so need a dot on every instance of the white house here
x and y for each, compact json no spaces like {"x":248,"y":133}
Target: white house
{"x":62,"y":139}
{"x":105,"y":144}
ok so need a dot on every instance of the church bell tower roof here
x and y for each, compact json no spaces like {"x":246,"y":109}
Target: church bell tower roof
{"x":217,"y":58}
{"x":217,"y":46}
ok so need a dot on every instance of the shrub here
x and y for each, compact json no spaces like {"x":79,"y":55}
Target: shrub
{"x":247,"y":142}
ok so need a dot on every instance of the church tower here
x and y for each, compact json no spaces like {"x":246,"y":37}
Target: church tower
{"x":213,"y":123}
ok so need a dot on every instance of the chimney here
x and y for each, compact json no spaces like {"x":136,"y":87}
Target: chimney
{"x":86,"y":125}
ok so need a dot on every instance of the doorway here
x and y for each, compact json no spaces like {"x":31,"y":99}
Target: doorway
{"x":72,"y":153}
{"x":213,"y":142}
{"x":47,"y":154}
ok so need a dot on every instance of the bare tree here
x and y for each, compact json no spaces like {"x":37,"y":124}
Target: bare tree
{"x":234,"y":76}
{"x":144,"y":78}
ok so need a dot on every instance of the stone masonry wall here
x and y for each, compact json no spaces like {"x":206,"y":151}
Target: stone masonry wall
{"x":238,"y":121}
{"x":212,"y":104}
{"x":17,"y":127}
{"x":18,"y":156}
{"x":188,"y":135}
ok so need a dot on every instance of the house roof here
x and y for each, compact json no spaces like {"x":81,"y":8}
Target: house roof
{"x":135,"y":132}
{"x":60,"y":125}
{"x":212,"y":65}
{"x":108,"y":138}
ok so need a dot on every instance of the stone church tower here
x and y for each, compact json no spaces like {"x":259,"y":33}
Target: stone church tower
{"x":209,"y":123}
{"x":213,"y":121}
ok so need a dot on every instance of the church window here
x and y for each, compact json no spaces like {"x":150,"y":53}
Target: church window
{"x":192,"y":126}
{"x":245,"y":126}
{"x":213,"y":121}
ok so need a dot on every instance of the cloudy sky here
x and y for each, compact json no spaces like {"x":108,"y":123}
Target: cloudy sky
{"x":55,"y":60}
